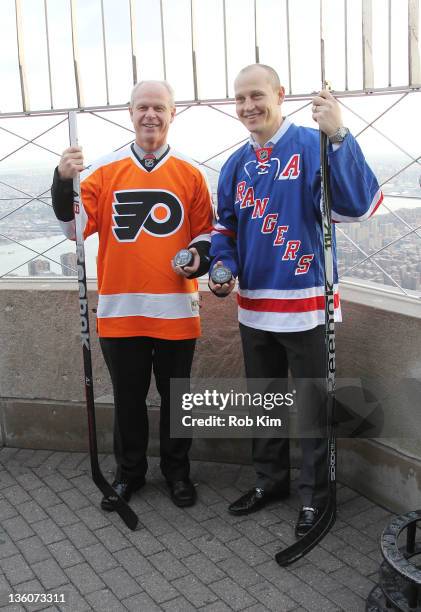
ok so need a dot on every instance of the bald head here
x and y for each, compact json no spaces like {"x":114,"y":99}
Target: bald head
{"x":269,"y":73}
{"x":152,"y":84}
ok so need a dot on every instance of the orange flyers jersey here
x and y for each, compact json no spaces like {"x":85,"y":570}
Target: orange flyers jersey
{"x":143,"y":218}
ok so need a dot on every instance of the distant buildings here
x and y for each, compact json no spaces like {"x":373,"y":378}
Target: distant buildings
{"x":385,"y":249}
{"x":68,"y":264}
{"x":39,"y":267}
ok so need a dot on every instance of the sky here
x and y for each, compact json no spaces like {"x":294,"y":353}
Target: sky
{"x":271,"y":37}
{"x":216,"y":131}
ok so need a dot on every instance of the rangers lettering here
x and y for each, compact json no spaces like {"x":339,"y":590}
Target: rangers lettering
{"x":248,"y":199}
{"x":280,"y":231}
{"x":291,"y":250}
{"x":292,"y":168}
{"x":269,"y":223}
{"x":259,"y":208}
{"x":304,"y":263}
{"x":240,"y":192}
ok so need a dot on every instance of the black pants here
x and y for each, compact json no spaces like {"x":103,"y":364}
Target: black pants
{"x":269,"y":355}
{"x":130,"y":362}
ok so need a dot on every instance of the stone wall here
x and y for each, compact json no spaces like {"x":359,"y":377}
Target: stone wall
{"x":42,"y":395}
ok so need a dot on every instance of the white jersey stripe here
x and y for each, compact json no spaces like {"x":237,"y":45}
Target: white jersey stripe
{"x":158,"y":305}
{"x":284,"y":321}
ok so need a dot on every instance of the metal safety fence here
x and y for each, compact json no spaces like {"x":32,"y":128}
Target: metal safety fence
{"x":380,"y":102}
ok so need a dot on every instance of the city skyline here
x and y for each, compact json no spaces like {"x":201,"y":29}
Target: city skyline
{"x":400,"y":261}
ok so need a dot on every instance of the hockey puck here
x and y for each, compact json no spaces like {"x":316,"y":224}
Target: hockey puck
{"x":183,"y":258}
{"x":221,"y":275}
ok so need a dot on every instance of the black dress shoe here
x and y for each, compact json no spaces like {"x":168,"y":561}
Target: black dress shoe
{"x":254,"y":500}
{"x":182,"y":492}
{"x":306,"y":519}
{"x":124,"y":488}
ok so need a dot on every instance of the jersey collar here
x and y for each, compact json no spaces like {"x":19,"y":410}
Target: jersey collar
{"x":138,"y":155}
{"x":286,"y":123}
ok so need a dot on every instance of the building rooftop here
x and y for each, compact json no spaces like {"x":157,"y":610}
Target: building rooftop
{"x":56,"y":540}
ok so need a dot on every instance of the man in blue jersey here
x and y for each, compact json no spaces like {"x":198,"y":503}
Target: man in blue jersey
{"x":269,"y":235}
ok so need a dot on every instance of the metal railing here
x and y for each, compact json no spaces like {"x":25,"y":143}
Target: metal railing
{"x":288,"y":15}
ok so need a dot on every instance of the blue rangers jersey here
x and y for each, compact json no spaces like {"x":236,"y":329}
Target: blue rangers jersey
{"x":269,"y":229}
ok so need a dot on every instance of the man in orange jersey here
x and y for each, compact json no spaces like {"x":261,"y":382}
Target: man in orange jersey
{"x":146,"y":201}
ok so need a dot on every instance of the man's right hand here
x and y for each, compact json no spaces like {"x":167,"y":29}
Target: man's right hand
{"x":221,"y":290}
{"x":71,"y":163}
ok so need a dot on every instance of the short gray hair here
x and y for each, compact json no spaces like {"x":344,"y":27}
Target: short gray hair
{"x":156,"y":82}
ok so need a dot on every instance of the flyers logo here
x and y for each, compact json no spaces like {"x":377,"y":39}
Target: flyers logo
{"x":158,"y":213}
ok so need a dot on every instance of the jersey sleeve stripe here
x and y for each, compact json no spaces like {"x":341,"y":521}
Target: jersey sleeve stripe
{"x":69,"y":229}
{"x":221,"y":229}
{"x":282,"y":305}
{"x":205,"y":237}
{"x":377,"y":200}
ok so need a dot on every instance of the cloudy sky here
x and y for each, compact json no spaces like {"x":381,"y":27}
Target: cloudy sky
{"x":216,"y":130}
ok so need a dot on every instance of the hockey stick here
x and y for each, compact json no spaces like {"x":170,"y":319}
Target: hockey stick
{"x":328,"y":516}
{"x":120,"y":505}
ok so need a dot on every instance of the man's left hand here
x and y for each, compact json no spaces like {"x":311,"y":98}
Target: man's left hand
{"x":187,"y":270}
{"x":327,"y":112}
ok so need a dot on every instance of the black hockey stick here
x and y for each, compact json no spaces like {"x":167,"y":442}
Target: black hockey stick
{"x":120,"y":505}
{"x":328,"y":516}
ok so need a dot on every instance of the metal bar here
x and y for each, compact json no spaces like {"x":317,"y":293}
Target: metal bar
{"x":225,"y":49}
{"x":383,"y":248}
{"x":367,"y":42}
{"x":42,"y":254}
{"x":164,"y":63}
{"x":413,"y":42}
{"x":389,"y":16}
{"x":21,"y":59}
{"x":132,"y":41}
{"x":381,"y":91}
{"x":223,"y":112}
{"x":256,"y":44}
{"x":371,"y":123}
{"x":346,"y":42}
{"x":47,"y":37}
{"x":25,"y":193}
{"x":224,"y":150}
{"x":32,"y":140}
{"x":357,"y":246}
{"x":193,"y":50}
{"x":104,"y":50}
{"x":75,"y":51}
{"x":416,"y":161}
{"x":395,"y":214}
{"x":123,"y":127}
{"x":322,"y":46}
{"x":289,"y":48}
{"x":32,"y":199}
{"x":183,"y":111}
